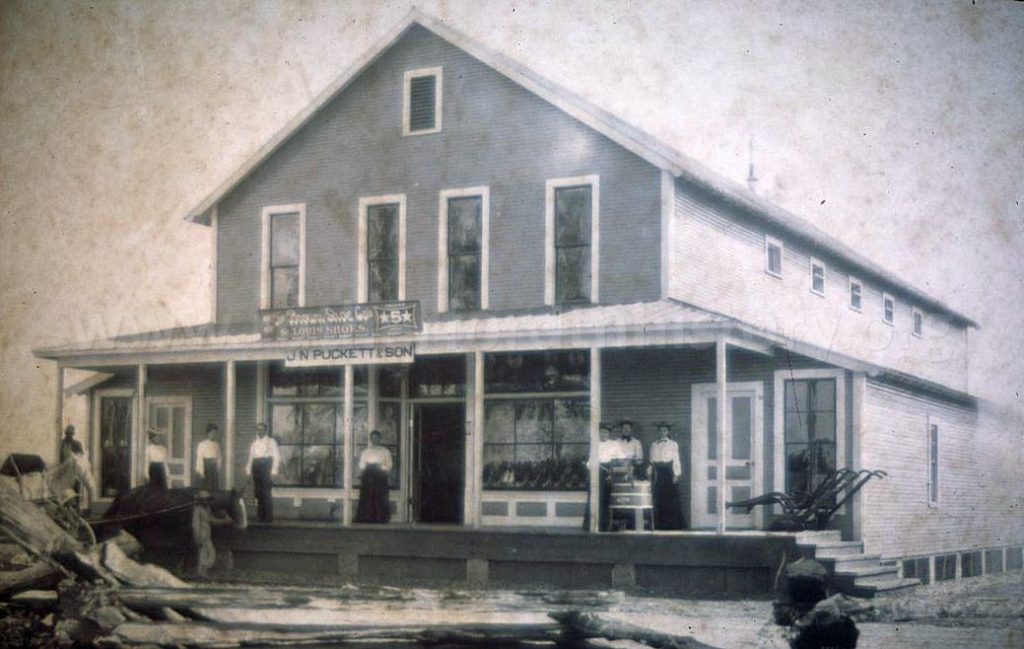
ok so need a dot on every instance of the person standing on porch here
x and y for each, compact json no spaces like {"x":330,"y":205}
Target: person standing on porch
{"x":264,"y":459}
{"x":209,"y":459}
{"x":608,"y":451}
{"x":67,"y":444}
{"x":632,"y":449}
{"x":374,"y":468}
{"x":156,"y":460}
{"x":666,"y":469}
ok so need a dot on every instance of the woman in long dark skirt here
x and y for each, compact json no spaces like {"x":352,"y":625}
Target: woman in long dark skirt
{"x":666,"y":469}
{"x":374,"y":468}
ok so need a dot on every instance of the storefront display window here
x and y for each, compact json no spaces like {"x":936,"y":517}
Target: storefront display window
{"x":553,"y":371}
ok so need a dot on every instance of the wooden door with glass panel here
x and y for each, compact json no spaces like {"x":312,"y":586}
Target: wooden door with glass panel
{"x":172,"y":418}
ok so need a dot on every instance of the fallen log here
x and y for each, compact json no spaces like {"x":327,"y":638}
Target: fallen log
{"x":580,"y":626}
{"x":40,"y":575}
{"x":208,"y":635}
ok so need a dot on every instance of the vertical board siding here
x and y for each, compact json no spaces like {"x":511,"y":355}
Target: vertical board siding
{"x":719,"y":264}
{"x":495,"y":133}
{"x":977,"y":463}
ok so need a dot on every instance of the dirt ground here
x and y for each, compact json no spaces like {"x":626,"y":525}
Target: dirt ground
{"x":980,"y":612}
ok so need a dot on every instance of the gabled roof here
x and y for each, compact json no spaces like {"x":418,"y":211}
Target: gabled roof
{"x":626,"y":135}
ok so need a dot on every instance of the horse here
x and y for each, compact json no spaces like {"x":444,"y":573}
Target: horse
{"x":174,"y":525}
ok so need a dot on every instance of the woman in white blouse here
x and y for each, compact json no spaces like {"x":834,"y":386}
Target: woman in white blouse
{"x":374,"y":468}
{"x":156,"y":460}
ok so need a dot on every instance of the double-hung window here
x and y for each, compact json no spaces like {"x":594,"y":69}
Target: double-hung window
{"x":421,"y":101}
{"x":463,"y":251}
{"x":856,"y":294}
{"x":817,"y":277}
{"x":283,"y":276}
{"x":571,"y":233}
{"x":382,"y":248}
{"x":809,"y":421}
{"x":888,"y":309}
{"x":918,"y":322}
{"x":773,"y":256}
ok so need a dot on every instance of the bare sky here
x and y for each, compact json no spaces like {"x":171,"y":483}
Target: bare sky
{"x":897,"y":126}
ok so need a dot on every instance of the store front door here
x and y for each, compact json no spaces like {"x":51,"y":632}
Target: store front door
{"x":438,"y":462}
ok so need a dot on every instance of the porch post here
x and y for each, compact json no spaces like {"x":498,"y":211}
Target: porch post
{"x":140,"y":424}
{"x":856,"y":458}
{"x":229,"y":422}
{"x":721,"y":410}
{"x":372,"y":399}
{"x":595,"y":438}
{"x":60,"y":407}
{"x":346,"y":508}
{"x":476,"y":452}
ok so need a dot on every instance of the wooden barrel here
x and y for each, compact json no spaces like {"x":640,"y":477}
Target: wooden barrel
{"x":632,"y":494}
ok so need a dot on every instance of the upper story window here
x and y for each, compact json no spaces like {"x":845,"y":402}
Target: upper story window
{"x":888,"y":309}
{"x":856,"y":294}
{"x":773,"y":256}
{"x":382,"y":248}
{"x":918,"y":320}
{"x":463,"y":250}
{"x":933,"y":463}
{"x":283,"y":251}
{"x":421,"y":104}
{"x":571,"y":236}
{"x":817,"y":277}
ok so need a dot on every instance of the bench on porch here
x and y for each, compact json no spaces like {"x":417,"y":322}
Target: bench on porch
{"x":814,"y":509}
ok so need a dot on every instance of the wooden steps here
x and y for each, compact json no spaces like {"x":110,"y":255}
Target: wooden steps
{"x":853,"y":572}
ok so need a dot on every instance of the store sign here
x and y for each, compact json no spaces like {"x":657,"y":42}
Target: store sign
{"x":339,"y":322}
{"x":370,"y":354}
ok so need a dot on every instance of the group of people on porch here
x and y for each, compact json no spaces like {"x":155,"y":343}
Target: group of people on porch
{"x":618,"y":458}
{"x":621,"y":459}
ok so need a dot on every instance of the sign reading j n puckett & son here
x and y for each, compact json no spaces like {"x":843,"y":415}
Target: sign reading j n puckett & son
{"x":341,"y":321}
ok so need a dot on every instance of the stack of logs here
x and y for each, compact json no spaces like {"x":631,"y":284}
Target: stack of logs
{"x":70,"y":595}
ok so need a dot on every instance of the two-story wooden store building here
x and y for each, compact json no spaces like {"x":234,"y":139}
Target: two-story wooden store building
{"x":450,"y":249}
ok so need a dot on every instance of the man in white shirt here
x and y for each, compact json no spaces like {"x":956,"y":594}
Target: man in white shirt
{"x":264,"y":459}
{"x":632,"y":448}
{"x":209,"y":460}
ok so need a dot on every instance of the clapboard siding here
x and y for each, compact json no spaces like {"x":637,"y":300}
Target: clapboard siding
{"x":204,"y":385}
{"x":719,"y":264}
{"x":495,"y":133}
{"x":652,"y":385}
{"x":976,"y":465}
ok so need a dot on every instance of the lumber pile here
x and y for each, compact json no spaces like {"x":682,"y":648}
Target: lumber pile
{"x":54,"y":592}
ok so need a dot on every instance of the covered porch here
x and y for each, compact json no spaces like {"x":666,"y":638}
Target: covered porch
{"x":490,"y":421}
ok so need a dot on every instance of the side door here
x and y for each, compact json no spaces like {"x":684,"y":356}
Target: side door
{"x":744,"y":429}
{"x":172,"y":416}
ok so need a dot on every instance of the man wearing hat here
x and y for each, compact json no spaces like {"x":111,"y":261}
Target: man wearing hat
{"x":156,"y":460}
{"x":666,"y":470}
{"x":209,"y":459}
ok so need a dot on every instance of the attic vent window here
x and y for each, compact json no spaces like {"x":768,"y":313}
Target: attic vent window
{"x":773,"y":256}
{"x":421,"y":112}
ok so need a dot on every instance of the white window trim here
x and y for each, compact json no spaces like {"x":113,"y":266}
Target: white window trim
{"x":268,"y":212}
{"x":933,"y":421}
{"x":824,"y":276}
{"x":484,"y":192}
{"x":886,"y":296}
{"x":914,"y":314}
{"x":768,"y":243}
{"x":549,"y":233}
{"x":849,"y":294}
{"x":779,"y":416}
{"x":438,"y":73}
{"x":363,"y":289}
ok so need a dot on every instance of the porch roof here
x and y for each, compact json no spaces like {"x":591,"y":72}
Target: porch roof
{"x":639,"y":324}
